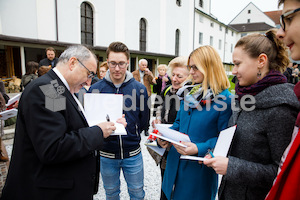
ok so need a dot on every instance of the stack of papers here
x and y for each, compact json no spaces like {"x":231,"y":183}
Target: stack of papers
{"x":8,"y":114}
{"x":222,"y":145}
{"x":98,"y":106}
{"x":171,"y":135}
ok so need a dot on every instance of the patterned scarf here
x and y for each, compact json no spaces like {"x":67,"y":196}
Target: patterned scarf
{"x":194,"y":96}
{"x":272,"y":78}
{"x":163,"y":82}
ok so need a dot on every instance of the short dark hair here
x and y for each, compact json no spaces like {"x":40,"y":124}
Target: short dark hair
{"x":118,"y":47}
{"x":31,"y":67}
{"x":50,"y":49}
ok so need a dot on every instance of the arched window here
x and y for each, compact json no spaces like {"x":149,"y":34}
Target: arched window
{"x":87,"y":21}
{"x":143,"y":32}
{"x":201,"y":3}
{"x":177,"y":37}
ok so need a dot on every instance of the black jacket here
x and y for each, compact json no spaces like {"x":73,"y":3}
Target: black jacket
{"x":53,"y":154}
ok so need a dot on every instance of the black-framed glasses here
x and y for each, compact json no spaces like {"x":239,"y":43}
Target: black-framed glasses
{"x":285,"y":19}
{"x":194,"y":67}
{"x":91,"y":74}
{"x":113,"y":64}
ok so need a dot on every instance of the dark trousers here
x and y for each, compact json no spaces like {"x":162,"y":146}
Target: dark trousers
{"x":162,"y":194}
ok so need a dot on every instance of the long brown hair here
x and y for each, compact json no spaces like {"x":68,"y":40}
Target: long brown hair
{"x":256,"y":44}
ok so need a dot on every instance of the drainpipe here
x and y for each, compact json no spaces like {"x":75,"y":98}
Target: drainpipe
{"x":194,"y":24}
{"x":56,"y":20}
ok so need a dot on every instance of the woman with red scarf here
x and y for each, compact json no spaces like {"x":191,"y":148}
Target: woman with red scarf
{"x":265,"y":114}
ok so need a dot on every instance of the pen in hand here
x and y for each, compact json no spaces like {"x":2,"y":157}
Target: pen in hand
{"x":107,"y":118}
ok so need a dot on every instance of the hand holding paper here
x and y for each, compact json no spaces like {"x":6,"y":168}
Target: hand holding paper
{"x":190,"y":148}
{"x":107,"y":128}
{"x":98,"y":106}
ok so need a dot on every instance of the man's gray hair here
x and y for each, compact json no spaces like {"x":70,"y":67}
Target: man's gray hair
{"x":140,"y":61}
{"x":81,"y":52}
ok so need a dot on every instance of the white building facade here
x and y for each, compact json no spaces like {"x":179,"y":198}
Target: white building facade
{"x":157,"y":30}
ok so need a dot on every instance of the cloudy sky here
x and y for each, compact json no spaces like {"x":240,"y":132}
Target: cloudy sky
{"x":226,"y":10}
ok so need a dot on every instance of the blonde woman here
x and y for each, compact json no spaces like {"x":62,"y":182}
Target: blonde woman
{"x":204,"y":112}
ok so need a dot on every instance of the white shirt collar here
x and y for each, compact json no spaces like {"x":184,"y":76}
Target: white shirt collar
{"x":61,"y":77}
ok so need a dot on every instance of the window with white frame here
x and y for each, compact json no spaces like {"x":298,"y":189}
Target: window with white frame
{"x":200,"y":38}
{"x":201,"y":3}
{"x":201,"y":18}
{"x":87,"y":24}
{"x":211,"y":40}
{"x":220,"y":44}
{"x":177,"y":38}
{"x":143,"y":34}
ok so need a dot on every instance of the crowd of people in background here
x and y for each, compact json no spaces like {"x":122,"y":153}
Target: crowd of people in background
{"x":56,"y":155}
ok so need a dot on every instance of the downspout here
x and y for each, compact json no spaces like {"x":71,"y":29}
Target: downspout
{"x":194,"y":24}
{"x":56,"y":20}
{"x":224,"y":46}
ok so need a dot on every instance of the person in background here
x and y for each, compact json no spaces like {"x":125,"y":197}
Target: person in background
{"x":51,"y":60}
{"x":288,"y":73}
{"x":264,"y":124}
{"x":123,"y":152}
{"x":286,"y":185}
{"x":55,"y":152}
{"x":31,"y":73}
{"x":167,"y":110}
{"x":295,"y":73}
{"x":43,"y":70}
{"x":204,"y":111}
{"x":161,"y":82}
{"x":145,"y":76}
{"x":102,"y":70}
{"x":4,"y":159}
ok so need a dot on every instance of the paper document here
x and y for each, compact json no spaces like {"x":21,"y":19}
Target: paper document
{"x":13,"y":100}
{"x":158,"y":150}
{"x":222,"y":145}
{"x":171,"y":135}
{"x":98,"y":106}
{"x":8,"y":114}
{"x":192,"y":158}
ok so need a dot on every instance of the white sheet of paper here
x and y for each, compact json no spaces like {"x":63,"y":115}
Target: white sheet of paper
{"x":224,"y":141}
{"x":8,"y":114}
{"x":13,"y":100}
{"x":168,"y":139}
{"x":192,"y":158}
{"x":171,"y":134}
{"x":158,"y":150}
{"x":222,"y":145}
{"x":98,"y":106}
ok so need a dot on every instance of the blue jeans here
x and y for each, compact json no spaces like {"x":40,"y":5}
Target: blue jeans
{"x":133,"y":173}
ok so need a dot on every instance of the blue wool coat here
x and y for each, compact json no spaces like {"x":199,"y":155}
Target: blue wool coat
{"x":191,"y":179}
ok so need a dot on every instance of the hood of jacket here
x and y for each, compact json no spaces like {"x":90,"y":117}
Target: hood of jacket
{"x":128,"y":77}
{"x":277,"y":95}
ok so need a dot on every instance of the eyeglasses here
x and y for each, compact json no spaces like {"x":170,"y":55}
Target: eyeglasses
{"x":91,"y":74}
{"x":285,"y":18}
{"x":194,"y":67}
{"x":113,"y":64}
